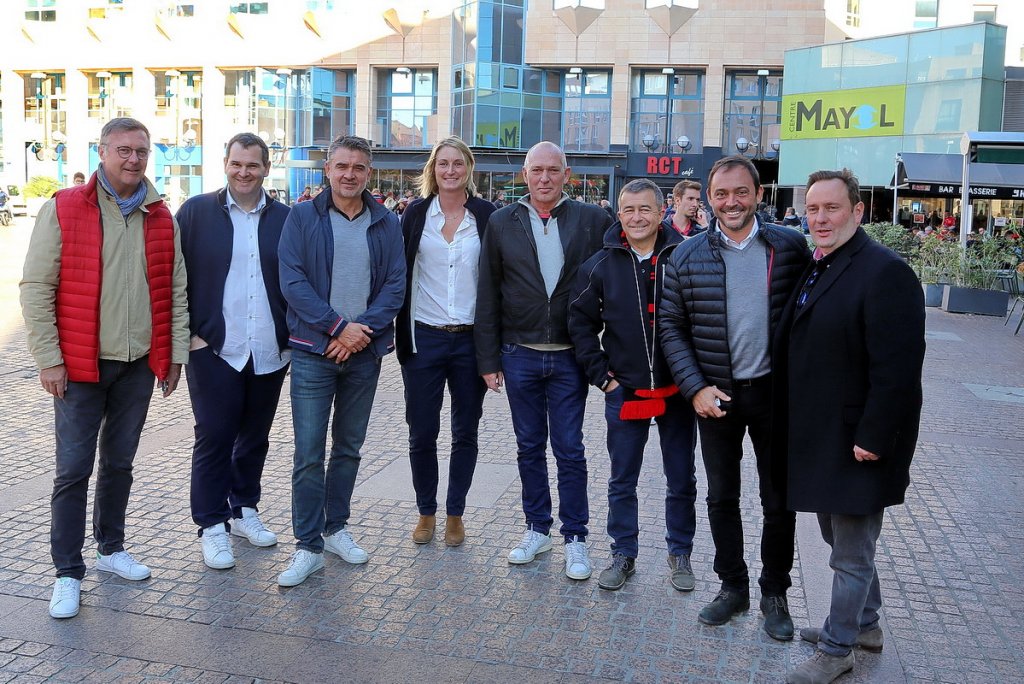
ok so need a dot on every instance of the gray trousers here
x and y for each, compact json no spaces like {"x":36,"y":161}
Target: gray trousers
{"x":856,"y":596}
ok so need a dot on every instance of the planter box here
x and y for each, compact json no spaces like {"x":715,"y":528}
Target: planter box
{"x":974,"y":301}
{"x":933,"y":293}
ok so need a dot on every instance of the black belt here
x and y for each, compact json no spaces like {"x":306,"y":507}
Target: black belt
{"x":451,"y":328}
{"x":752,"y":382}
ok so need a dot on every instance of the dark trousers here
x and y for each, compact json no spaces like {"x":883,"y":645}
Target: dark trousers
{"x":442,"y":357}
{"x":112,"y":412}
{"x":677,"y":432}
{"x":856,"y":595}
{"x":547,"y":390}
{"x":721,"y":441}
{"x":234,"y":412}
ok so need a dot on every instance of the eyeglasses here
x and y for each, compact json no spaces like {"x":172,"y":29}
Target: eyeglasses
{"x":125,"y":152}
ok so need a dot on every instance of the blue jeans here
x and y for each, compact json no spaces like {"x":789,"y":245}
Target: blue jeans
{"x":856,"y":596}
{"x":321,"y":505}
{"x":234,"y":412}
{"x":548,"y":390}
{"x":442,"y":357}
{"x":112,"y":412}
{"x":677,"y":430}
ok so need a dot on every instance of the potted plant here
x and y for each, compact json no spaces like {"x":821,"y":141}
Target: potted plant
{"x":935,"y":261}
{"x":896,"y":238}
{"x":974,"y":288}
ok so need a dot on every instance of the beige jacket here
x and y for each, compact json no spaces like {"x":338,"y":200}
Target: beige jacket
{"x":125,"y":319}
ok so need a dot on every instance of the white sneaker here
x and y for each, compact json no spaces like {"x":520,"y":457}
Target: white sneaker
{"x":64,"y":602}
{"x":342,"y":544}
{"x":217,"y":552}
{"x":251,"y":527}
{"x":303,"y":564}
{"x":121,"y":563}
{"x":530,"y":545}
{"x":577,"y":560}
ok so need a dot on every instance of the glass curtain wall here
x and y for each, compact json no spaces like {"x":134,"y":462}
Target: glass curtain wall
{"x":497,"y":101}
{"x":46,"y":120}
{"x":590,"y":187}
{"x":753,"y":106}
{"x":953,"y":80}
{"x":110,"y":94}
{"x":178,"y":134}
{"x":326,"y":98}
{"x":298,"y":114}
{"x":406,"y":108}
{"x":588,"y":111}
{"x":666,"y":105}
{"x":40,"y":10}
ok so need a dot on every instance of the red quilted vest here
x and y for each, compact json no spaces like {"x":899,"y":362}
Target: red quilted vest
{"x":81,"y":274}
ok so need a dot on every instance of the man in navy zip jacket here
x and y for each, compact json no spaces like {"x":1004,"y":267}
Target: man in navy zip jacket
{"x":238,"y":354}
{"x":343,"y":276}
{"x":612,"y":318}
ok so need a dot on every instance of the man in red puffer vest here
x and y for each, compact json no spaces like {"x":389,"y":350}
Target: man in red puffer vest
{"x":103,"y":296}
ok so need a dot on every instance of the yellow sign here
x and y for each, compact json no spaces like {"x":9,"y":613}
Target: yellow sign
{"x":859,"y":113}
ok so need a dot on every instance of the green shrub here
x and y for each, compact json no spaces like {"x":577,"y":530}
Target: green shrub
{"x":936,"y":260}
{"x":896,"y":238}
{"x":41,"y":186}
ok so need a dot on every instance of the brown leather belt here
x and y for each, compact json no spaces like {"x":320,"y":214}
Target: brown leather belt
{"x":454,"y":328}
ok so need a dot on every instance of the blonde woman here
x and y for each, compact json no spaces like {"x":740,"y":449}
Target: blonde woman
{"x":443,"y":229}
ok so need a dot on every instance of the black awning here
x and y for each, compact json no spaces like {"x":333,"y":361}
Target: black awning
{"x":939,"y":175}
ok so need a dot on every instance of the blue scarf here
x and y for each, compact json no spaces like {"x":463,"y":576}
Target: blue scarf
{"x":127,"y":206}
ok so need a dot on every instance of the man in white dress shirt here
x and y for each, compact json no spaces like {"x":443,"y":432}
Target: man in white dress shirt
{"x":238,"y":355}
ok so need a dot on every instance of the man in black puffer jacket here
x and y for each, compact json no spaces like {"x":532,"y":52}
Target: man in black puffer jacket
{"x":723,"y":297}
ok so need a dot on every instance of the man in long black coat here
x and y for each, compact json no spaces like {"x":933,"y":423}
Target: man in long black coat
{"x":855,"y":351}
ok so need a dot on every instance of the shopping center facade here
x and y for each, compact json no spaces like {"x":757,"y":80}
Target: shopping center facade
{"x":629,"y":88}
{"x":638,"y":88}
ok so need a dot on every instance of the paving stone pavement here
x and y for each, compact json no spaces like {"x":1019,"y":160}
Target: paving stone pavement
{"x":948,"y":559}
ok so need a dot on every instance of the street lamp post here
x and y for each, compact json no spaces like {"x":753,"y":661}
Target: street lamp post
{"x":52,"y":146}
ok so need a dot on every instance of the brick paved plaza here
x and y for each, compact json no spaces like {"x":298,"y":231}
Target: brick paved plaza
{"x":950,"y":561}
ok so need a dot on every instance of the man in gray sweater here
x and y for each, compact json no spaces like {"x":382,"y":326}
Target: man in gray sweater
{"x":724,"y":293}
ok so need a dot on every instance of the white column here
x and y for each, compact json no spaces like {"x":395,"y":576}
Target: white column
{"x":12,"y":92}
{"x":216,"y":128}
{"x":81,"y":130}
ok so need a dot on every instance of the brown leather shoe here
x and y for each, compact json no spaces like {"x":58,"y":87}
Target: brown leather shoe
{"x":454,"y":531}
{"x":424,"y":531}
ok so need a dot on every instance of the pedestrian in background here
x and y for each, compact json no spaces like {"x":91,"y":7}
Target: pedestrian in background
{"x":688,"y":219}
{"x":853,"y":347}
{"x":434,"y":333}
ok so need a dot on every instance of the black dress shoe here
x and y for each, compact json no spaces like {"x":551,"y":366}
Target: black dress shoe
{"x":725,"y":605}
{"x":777,"y":621}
